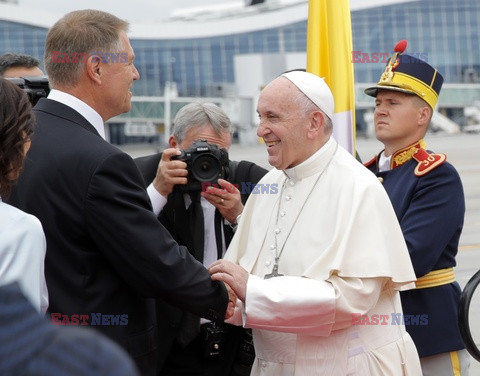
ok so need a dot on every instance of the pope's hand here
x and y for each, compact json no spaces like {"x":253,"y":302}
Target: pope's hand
{"x":232,"y":274}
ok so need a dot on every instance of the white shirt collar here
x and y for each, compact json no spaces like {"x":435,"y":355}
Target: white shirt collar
{"x":384,"y":162}
{"x":81,"y":107}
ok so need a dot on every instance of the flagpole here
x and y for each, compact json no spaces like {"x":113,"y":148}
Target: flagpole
{"x":329,"y":55}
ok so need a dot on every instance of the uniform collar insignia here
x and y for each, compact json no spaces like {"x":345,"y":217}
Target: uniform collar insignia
{"x":402,"y":156}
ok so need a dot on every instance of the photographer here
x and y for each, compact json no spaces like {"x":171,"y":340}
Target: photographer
{"x":24,"y":71}
{"x":19,"y":65}
{"x":203,"y":220}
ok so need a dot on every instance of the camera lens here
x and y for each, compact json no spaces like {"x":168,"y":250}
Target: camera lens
{"x":205,"y":168}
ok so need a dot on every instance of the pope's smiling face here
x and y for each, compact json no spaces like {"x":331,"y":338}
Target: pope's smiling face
{"x":283,"y":124}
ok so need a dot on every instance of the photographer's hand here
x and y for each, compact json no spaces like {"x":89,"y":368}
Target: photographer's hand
{"x":226,"y":199}
{"x":170,"y":173}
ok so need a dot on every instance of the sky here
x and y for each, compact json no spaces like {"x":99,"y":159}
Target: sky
{"x":133,"y":10}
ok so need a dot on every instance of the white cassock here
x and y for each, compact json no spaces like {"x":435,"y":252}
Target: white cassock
{"x":22,"y":254}
{"x":343,"y":255}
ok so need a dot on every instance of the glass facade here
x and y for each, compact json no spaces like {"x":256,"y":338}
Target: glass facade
{"x":198,"y":64}
{"x":443,"y":32}
{"x":21,"y":38}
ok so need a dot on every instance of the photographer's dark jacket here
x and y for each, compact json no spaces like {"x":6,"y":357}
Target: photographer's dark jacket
{"x":107,"y":254}
{"x":170,"y":318}
{"x":427,"y":195}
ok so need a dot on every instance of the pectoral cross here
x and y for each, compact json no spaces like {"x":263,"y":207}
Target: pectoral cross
{"x":274,"y":273}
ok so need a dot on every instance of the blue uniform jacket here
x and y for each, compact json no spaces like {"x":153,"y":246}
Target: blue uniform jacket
{"x":430,"y":209}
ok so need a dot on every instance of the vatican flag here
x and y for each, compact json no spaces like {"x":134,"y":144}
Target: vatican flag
{"x":329,"y":55}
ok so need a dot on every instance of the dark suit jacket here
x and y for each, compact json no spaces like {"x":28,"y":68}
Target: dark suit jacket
{"x":244,"y":174}
{"x":106,"y":251}
{"x":30,"y":345}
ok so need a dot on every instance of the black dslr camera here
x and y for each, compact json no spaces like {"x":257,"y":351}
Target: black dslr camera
{"x":36,"y":87}
{"x":206,"y":163}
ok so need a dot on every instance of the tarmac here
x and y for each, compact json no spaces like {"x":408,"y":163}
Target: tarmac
{"x":462,"y":150}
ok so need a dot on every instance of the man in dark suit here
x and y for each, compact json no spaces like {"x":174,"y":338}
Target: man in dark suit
{"x":107,"y":254}
{"x":186,"y":346}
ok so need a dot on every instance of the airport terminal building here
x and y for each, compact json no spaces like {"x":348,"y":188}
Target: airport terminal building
{"x":226,"y":53}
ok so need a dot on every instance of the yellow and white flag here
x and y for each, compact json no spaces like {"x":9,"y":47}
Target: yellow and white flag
{"x":329,"y":55}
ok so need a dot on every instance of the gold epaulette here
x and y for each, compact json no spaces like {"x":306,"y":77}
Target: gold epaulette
{"x":427,"y":161}
{"x":436,"y":278}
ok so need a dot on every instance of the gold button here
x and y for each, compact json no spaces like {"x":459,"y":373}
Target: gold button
{"x":380,"y":179}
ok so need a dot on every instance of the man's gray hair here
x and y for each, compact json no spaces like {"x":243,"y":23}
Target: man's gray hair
{"x":197,"y":115}
{"x":307,"y":106}
{"x":11,"y":60}
{"x":78,"y":34}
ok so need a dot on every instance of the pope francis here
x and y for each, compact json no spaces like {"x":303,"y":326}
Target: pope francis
{"x":318,"y":266}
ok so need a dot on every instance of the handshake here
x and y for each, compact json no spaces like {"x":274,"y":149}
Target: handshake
{"x":235,"y":278}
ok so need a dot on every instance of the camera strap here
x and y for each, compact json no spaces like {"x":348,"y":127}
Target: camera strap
{"x":196,"y":224}
{"x":218,"y":233}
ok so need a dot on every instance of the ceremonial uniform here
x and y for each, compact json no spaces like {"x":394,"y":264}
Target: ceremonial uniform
{"x":427,"y":195}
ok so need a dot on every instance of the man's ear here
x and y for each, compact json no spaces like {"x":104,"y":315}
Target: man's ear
{"x":317,"y":123}
{"x":424,"y":115}
{"x":172,"y":141}
{"x":94,"y":68}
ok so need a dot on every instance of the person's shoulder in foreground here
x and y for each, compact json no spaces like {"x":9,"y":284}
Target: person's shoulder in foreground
{"x":32,"y":346}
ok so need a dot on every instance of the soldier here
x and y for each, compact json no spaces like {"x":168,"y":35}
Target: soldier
{"x":427,"y":195}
